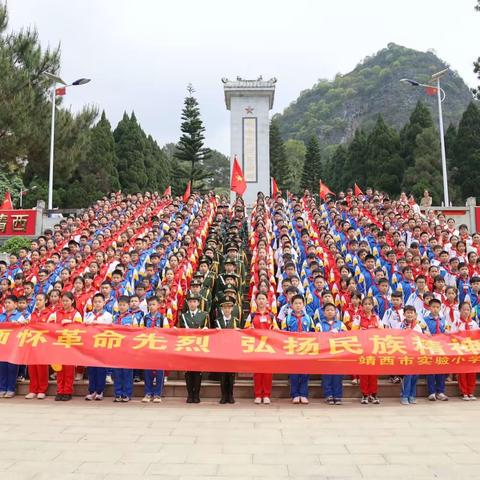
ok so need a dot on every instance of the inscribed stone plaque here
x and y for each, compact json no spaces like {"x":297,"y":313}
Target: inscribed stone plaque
{"x":250,"y":149}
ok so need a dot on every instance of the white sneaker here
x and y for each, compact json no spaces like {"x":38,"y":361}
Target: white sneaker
{"x":157,"y":399}
{"x":99,"y":397}
{"x":30,"y":395}
{"x":257,"y":400}
{"x":296,"y":400}
{"x":9,"y":394}
{"x":432,"y":397}
{"x":109,"y":380}
{"x":304,"y":400}
{"x":90,"y":396}
{"x":2,"y":394}
{"x":147,"y":399}
{"x":165,"y":380}
{"x":466,"y":398}
{"x":442,"y":397}
{"x":266,"y":400}
{"x":41,"y":396}
{"x":472,"y":397}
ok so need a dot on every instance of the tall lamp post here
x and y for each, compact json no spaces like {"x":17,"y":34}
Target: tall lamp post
{"x":56,"y":80}
{"x":440,"y":98}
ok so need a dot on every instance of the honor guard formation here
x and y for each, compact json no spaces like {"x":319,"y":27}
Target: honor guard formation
{"x":300,"y":264}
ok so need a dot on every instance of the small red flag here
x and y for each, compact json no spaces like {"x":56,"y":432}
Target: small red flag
{"x":168,"y":191}
{"x":430,"y":91}
{"x":238,"y":183}
{"x":324,"y":191}
{"x":274,"y":188}
{"x":7,"y":202}
{"x":186,"y":195}
{"x":59,"y":92}
{"x":357,"y":191}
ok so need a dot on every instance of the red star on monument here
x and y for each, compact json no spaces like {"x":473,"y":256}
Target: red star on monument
{"x":249,"y":110}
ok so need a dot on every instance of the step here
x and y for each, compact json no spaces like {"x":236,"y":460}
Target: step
{"x":244,"y":389}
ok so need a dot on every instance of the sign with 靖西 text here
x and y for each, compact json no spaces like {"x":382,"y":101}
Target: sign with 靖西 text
{"x":17,"y":222}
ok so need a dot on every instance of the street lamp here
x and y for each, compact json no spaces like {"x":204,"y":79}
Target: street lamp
{"x":56,"y":79}
{"x":440,"y":98}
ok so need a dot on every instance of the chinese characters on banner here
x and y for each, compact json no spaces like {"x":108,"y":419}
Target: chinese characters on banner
{"x":17,"y":222}
{"x":359,"y":352}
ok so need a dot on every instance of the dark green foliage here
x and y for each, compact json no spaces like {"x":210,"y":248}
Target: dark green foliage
{"x":334,"y":109}
{"x":467,"y":152}
{"x":335,"y":169}
{"x":190,"y":153}
{"x":279,"y":168}
{"x":312,"y":167}
{"x":14,"y":244}
{"x":355,"y":164}
{"x":295,"y":151}
{"x":384,"y":165}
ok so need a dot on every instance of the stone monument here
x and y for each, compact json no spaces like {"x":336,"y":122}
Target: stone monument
{"x":250,"y":102}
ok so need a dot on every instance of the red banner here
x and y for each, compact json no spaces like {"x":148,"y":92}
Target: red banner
{"x":17,"y":222}
{"x":356,"y":352}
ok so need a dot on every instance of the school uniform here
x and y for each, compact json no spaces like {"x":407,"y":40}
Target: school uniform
{"x":123,"y":377}
{"x":409,"y":382}
{"x":97,"y":375}
{"x":153,"y":379}
{"x":332,"y":384}
{"x":38,"y":374}
{"x":9,"y":371}
{"x":298,"y":323}
{"x":435,"y":326}
{"x":393,"y":318}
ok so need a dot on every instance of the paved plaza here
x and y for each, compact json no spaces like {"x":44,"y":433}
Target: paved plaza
{"x":80,"y":440}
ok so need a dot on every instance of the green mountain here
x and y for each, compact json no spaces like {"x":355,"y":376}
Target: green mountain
{"x":333,"y":109}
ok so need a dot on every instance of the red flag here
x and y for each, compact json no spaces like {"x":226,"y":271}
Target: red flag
{"x":59,"y":92}
{"x":7,"y":202}
{"x":431,"y":91}
{"x":357,"y":191}
{"x":324,"y":191}
{"x":186,"y":195}
{"x":168,"y":191}
{"x":238,"y":183}
{"x":274,"y":187}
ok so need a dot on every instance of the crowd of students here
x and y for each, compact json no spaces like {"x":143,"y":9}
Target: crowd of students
{"x":148,"y":261}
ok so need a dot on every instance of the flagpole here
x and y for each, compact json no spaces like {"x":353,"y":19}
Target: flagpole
{"x":52,"y":143}
{"x":442,"y":146}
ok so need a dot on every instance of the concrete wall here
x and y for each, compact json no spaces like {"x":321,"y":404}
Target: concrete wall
{"x":261,"y":108}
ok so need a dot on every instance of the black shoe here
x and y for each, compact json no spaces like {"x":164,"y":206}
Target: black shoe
{"x":137,"y":380}
{"x":223,"y":401}
{"x":66,"y":398}
{"x":231,"y":400}
{"x":196,"y":399}
{"x":117,"y":399}
{"x":189,"y":400}
{"x":58,"y":398}
{"x":337,"y":401}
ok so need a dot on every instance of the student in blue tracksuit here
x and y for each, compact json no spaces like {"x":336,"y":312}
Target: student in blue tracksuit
{"x":154,"y":378}
{"x":9,"y":371}
{"x":435,"y":324}
{"x":408,"y":396}
{"x":332,"y":384}
{"x":123,"y":377}
{"x":298,"y":320}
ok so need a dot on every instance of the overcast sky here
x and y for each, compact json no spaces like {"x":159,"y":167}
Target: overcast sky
{"x":141,"y":54}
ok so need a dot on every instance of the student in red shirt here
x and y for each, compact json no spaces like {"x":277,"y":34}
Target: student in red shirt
{"x":366,"y":321}
{"x":38,"y":373}
{"x":262,"y":319}
{"x":67,"y":315}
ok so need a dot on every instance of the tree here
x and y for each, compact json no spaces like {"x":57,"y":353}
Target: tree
{"x":385,"y":166}
{"x":426,"y":172}
{"x":190,"y":152}
{"x":97,"y":172}
{"x":355,"y":163}
{"x":335,"y":166}
{"x":295,"y":153}
{"x":312,"y":166}
{"x":420,"y":119}
{"x":156,"y":165}
{"x":130,"y":151}
{"x":467,"y":152}
{"x":279,"y":168}
{"x":218,"y":166}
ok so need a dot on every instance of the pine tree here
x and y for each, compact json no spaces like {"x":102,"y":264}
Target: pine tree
{"x":130,"y":151}
{"x":190,"y":151}
{"x":155,"y":166}
{"x":312,"y":167}
{"x":420,"y":119}
{"x":467,"y":152}
{"x":426,"y":172}
{"x":279,"y":168}
{"x":295,"y":152}
{"x":335,"y":179}
{"x":355,"y":164}
{"x":385,"y":167}
{"x":97,"y":172}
